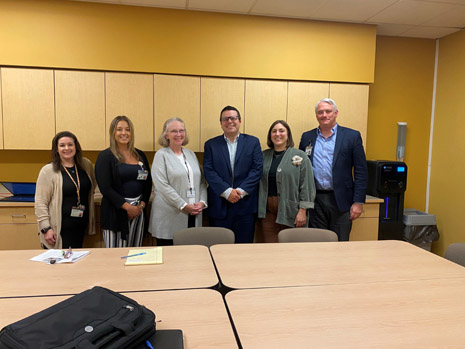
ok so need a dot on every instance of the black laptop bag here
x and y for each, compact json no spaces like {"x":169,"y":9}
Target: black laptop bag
{"x":96,"y":318}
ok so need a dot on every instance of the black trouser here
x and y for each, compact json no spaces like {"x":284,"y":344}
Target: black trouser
{"x":326,"y":215}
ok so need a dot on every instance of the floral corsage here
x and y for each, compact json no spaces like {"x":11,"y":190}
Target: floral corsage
{"x":297,"y":160}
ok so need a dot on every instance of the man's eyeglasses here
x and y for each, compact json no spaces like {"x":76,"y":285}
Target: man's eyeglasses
{"x":230,"y":118}
{"x":175,"y":132}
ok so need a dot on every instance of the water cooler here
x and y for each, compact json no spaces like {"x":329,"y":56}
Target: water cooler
{"x":388,"y":180}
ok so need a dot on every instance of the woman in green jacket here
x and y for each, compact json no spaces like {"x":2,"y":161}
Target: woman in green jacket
{"x":287,"y":187}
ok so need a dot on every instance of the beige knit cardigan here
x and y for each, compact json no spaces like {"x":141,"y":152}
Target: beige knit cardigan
{"x":49,"y":199}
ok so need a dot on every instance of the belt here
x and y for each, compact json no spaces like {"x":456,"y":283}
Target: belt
{"x":319,"y":191}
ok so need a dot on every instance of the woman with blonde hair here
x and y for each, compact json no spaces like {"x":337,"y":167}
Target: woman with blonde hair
{"x":180,"y":188}
{"x":123,"y":176}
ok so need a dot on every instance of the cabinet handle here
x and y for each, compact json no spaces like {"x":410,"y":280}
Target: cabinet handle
{"x":18,"y":216}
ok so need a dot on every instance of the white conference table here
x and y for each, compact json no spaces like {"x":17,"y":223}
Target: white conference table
{"x":325,"y":263}
{"x":395,"y":314}
{"x":200,"y":314}
{"x":184,"y":267}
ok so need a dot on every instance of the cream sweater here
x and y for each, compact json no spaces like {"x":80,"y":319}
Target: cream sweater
{"x":49,"y":198}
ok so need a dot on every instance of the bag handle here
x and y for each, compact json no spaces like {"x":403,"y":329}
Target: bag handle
{"x":87,"y":343}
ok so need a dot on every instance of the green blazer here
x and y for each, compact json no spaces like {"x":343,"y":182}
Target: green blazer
{"x":295,"y":183}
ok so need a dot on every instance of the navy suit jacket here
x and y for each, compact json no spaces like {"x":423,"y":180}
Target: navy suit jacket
{"x":248,"y":169}
{"x":348,"y":154}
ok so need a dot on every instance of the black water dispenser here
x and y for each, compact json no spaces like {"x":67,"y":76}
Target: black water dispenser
{"x":388,"y":180}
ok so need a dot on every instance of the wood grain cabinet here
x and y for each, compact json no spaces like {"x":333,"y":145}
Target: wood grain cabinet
{"x":366,"y":226}
{"x":265,"y":102}
{"x":18,"y":228}
{"x":302,"y":97}
{"x":28,"y":108}
{"x":178,"y":96}
{"x":1,"y":114}
{"x":216,"y":93}
{"x":80,"y":106}
{"x":131,"y":95}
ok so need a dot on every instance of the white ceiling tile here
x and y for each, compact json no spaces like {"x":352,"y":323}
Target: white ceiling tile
{"x":452,"y":18}
{"x":392,"y":29}
{"x":428,"y":32}
{"x":410,"y":12}
{"x":354,"y":10}
{"x":289,"y":8}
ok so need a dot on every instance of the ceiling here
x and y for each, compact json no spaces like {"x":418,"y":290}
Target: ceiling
{"x":429,"y":19}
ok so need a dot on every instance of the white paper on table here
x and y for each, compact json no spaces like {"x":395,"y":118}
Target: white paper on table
{"x":57,"y":255}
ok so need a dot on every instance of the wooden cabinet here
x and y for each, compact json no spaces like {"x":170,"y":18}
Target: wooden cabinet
{"x":366,"y":226}
{"x":28,"y":108}
{"x":302,"y":97}
{"x":265,"y":102}
{"x":178,"y":96}
{"x":1,"y":114}
{"x":18,"y":228}
{"x":80,"y":106}
{"x":131,"y":95}
{"x":217,"y":93}
{"x":352,"y":103}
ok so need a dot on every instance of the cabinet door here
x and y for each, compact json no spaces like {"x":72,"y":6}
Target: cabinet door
{"x":352,"y":103}
{"x":302,"y":97}
{"x":265,"y":102}
{"x":216,"y":94}
{"x":1,"y":114}
{"x":80,"y":106}
{"x":28,"y":108}
{"x":131,"y":95}
{"x":178,"y":96}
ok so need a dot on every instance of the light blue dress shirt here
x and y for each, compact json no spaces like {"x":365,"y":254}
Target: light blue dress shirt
{"x":323,"y":155}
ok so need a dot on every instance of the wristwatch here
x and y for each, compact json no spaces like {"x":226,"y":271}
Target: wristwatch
{"x":43,"y":231}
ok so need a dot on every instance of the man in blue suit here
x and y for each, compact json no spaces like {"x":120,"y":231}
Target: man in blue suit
{"x":232,"y":164}
{"x":340,"y":170}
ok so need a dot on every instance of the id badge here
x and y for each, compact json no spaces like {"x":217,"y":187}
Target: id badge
{"x":78,"y":211}
{"x":191,"y":196}
{"x":308,"y":150}
{"x":142,"y":175}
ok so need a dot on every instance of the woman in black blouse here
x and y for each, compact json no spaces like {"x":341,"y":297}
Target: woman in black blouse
{"x":123,"y":176}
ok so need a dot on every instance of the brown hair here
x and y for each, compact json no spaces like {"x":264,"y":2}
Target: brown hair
{"x":56,"y":160}
{"x":290,"y":141}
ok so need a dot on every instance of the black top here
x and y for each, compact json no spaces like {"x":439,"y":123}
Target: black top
{"x":112,"y":216}
{"x":73,"y":228}
{"x":130,"y":186}
{"x":272,"y":187}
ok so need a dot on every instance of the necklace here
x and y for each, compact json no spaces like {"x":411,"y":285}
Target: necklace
{"x":277,"y":154}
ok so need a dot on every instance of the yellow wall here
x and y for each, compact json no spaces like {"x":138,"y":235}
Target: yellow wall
{"x":66,"y":34}
{"x":448,"y":160}
{"x":403,"y":91}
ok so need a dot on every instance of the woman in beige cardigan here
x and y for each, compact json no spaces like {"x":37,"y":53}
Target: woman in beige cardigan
{"x":64,"y":200}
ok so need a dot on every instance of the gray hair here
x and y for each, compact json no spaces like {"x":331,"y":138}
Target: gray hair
{"x":326,"y":100}
{"x":162,"y":138}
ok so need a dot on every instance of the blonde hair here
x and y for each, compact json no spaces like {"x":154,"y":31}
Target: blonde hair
{"x":162,"y":138}
{"x":114,"y":145}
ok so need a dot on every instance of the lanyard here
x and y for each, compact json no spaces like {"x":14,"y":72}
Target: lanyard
{"x":187,"y":170}
{"x":78,"y":185}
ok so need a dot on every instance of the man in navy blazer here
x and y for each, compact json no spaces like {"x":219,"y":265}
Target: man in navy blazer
{"x":340,"y":170}
{"x":232,"y":164}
